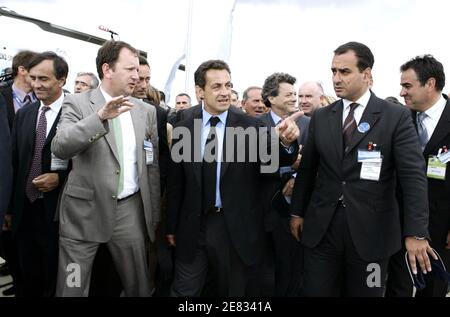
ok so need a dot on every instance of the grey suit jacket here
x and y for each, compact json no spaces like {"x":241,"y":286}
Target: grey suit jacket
{"x":88,"y":201}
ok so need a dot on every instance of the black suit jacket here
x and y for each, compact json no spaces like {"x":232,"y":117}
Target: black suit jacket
{"x":326,"y":173}
{"x":5,"y":161}
{"x":273,"y":182}
{"x":7,"y":94}
{"x":161,"y":118}
{"x":24,"y":133}
{"x":438,"y":190}
{"x":240,"y":193}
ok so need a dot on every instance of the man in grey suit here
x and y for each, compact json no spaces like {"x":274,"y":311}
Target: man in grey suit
{"x":112,"y":194}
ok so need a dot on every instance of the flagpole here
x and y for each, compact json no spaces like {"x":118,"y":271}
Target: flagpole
{"x":187,"y":85}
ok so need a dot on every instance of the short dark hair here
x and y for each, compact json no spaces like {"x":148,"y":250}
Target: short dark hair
{"x":426,"y":67}
{"x":109,"y":54}
{"x":200,"y":73}
{"x":272,"y":85}
{"x":362,"y":52}
{"x":143,"y":61}
{"x":60,"y":67}
{"x":22,"y":58}
{"x":393,"y":100}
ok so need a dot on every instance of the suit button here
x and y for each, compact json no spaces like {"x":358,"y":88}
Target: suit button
{"x":344,"y":183}
{"x":114,"y":197}
{"x":117,"y":172}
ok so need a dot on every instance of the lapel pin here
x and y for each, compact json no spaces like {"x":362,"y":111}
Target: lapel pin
{"x":363,"y":127}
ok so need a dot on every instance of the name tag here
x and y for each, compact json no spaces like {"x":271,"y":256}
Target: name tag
{"x":57,"y":164}
{"x":148,"y":148}
{"x":444,"y":157}
{"x":369,"y":156}
{"x":371,"y":170}
{"x":436,"y":169}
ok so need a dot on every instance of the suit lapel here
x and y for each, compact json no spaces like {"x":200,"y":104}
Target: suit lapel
{"x":196,"y":165}
{"x":30,"y":124}
{"x":97,"y":101}
{"x":232,"y":122}
{"x":335,"y":124}
{"x":52,"y":132}
{"x":138,"y":117}
{"x":441,"y":131}
{"x":371,"y":115}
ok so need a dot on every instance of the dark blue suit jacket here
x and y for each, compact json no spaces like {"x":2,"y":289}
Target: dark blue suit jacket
{"x":5,"y":161}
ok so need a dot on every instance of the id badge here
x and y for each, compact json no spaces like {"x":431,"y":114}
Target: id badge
{"x":371,"y":170}
{"x":57,"y":164}
{"x":368,"y":156}
{"x":436,"y":169}
{"x":148,"y":148}
{"x":444,"y":157}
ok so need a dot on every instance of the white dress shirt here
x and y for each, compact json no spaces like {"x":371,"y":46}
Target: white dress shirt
{"x":130,"y":168}
{"x":50,"y":115}
{"x":433,"y":115}
{"x":363,"y":101}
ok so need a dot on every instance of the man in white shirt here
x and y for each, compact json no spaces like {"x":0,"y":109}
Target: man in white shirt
{"x":112,"y":195}
{"x":38,"y":177}
{"x":422,"y":81}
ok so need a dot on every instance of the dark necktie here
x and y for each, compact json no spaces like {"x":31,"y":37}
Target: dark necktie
{"x":421,"y":130}
{"x":349,"y":126}
{"x":209,"y":169}
{"x":26,"y":100}
{"x":36,"y":165}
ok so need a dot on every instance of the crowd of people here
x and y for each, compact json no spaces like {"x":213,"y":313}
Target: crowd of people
{"x":285,"y":192}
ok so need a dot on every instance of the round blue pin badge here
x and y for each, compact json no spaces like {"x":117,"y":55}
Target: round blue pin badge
{"x":363,"y":127}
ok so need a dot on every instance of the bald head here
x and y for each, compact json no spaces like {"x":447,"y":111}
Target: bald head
{"x":310,"y":97}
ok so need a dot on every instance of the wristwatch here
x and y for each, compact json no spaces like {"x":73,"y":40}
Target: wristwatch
{"x":419,"y":238}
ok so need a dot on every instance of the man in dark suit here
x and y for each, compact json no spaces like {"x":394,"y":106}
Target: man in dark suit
{"x":20,"y":93}
{"x":215,"y":214}
{"x":422,"y":81}
{"x":5,"y":161}
{"x":344,"y":201}
{"x":38,"y":177}
{"x":16,"y":95}
{"x":279,"y":95}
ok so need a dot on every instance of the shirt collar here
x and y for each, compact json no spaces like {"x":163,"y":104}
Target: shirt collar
{"x":55,"y":106}
{"x":276,"y":118}
{"x":206,"y":116}
{"x":436,"y":110}
{"x":363,"y":101}
{"x":19,"y":93}
{"x":105,"y":95}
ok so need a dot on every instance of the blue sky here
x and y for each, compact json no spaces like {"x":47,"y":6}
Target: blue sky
{"x":297,"y":37}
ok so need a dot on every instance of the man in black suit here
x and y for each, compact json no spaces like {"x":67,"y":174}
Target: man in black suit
{"x":5,"y":161}
{"x":215,"y":216}
{"x":20,"y":93}
{"x":38,"y":177}
{"x":16,"y":95}
{"x":422,"y":81}
{"x":344,"y":201}
{"x":279,"y":95}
